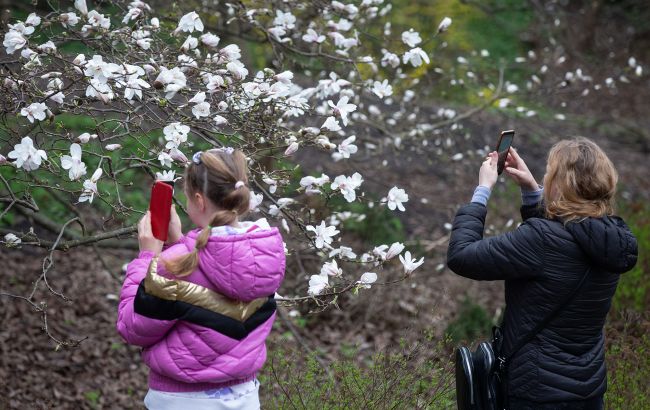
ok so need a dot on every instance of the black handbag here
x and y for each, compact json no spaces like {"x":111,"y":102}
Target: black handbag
{"x":481,"y":376}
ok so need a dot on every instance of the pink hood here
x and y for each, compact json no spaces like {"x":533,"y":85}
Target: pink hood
{"x":184,"y":356}
{"x":243,"y":267}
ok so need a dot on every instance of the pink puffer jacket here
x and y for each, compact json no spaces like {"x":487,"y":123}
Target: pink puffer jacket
{"x":188,"y":347}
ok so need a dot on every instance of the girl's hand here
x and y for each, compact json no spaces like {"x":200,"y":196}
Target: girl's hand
{"x":487,"y":175}
{"x":517,"y":170}
{"x":145,"y":237}
{"x":175,"y":229}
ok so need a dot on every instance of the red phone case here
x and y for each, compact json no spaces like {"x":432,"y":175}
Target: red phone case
{"x":160,"y":207}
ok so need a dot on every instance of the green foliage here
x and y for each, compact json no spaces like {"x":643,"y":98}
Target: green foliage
{"x":633,"y":290}
{"x":628,"y":368}
{"x":472,"y":323}
{"x":408,"y":377}
{"x":92,"y":397}
{"x":380,"y":226}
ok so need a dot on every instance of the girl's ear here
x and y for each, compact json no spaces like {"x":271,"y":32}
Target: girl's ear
{"x":200,"y":201}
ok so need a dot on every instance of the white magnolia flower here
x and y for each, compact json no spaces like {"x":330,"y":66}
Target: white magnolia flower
{"x":73,"y":163}
{"x":190,"y":22}
{"x":210,"y":40}
{"x":97,"y":20}
{"x":390,"y":59}
{"x":367,"y":279}
{"x":284,"y":77}
{"x":85,"y":137}
{"x":396,"y":196}
{"x":134,"y":87}
{"x":34,"y":111}
{"x":317,"y":284}
{"x":416,"y":57}
{"x":175,"y":134}
{"x":342,"y":108}
{"x":13,"y":41}
{"x":220,"y":120}
{"x":81,"y":6}
{"x":409,"y":263}
{"x":310,"y":182}
{"x":174,"y":80}
{"x":168,"y":175}
{"x":12,"y":240}
{"x":165,"y":159}
{"x":382,"y":89}
{"x":26,"y":155}
{"x":132,"y":14}
{"x":411,"y":38}
{"x":33,"y":20}
{"x":343,"y":252}
{"x":190,"y":43}
{"x":255,"y":201}
{"x":237,"y":69}
{"x":331,"y":269}
{"x":347,"y":185}
{"x":286,"y":20}
{"x":324,"y":234}
{"x":313,"y":37}
{"x":444,"y":24}
{"x":231,"y":52}
{"x":291,"y":149}
{"x":331,"y":124}
{"x":113,"y":147}
{"x":394,"y":250}
{"x":68,"y":19}
{"x":347,"y":147}
{"x":90,"y":187}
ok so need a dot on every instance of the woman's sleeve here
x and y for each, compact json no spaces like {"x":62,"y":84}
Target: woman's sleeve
{"x":532,"y":205}
{"x":514,"y":255}
{"x":134,"y":328}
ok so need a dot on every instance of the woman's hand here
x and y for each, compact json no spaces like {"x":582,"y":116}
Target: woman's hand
{"x":175,"y":231}
{"x":517,"y":170}
{"x":487,"y":175}
{"x":146,"y":239}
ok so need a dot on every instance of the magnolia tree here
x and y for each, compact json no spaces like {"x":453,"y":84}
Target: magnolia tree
{"x":96,"y":103}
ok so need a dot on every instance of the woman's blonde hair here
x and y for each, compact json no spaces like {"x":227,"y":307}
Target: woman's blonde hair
{"x":221,"y":175}
{"x":580,"y":181}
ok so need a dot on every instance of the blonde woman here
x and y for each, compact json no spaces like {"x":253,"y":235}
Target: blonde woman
{"x":568,"y":233}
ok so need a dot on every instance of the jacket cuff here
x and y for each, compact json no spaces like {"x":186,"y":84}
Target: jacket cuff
{"x":532,"y":197}
{"x":146,"y":254}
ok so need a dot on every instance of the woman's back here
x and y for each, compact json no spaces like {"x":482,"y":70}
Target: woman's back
{"x":565,"y":361}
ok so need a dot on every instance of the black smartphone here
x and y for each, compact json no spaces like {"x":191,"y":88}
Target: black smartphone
{"x":503,"y":147}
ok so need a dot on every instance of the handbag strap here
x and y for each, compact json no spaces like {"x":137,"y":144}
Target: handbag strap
{"x":541,"y":325}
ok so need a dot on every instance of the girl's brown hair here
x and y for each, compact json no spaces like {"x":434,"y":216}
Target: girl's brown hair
{"x":216,"y":174}
{"x":580,"y":181}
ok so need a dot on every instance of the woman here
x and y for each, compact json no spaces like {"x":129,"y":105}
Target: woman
{"x":568,"y":231}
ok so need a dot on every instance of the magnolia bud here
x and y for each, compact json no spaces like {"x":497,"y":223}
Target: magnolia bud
{"x":292,"y":148}
{"x":3,"y":159}
{"x":113,"y":147}
{"x":178,"y":156}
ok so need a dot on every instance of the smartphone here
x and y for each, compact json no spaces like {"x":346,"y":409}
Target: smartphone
{"x":503,"y":147}
{"x":160,"y":205}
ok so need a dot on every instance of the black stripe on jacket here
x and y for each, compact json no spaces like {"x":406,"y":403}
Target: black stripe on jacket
{"x":162,"y":309}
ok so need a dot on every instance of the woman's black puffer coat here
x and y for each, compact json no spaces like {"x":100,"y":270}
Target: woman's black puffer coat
{"x":542,"y":261}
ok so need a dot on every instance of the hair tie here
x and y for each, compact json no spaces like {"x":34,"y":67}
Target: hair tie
{"x":239,"y":184}
{"x":196,"y":158}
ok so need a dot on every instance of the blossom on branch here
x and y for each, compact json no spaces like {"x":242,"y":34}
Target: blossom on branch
{"x":26,"y":155}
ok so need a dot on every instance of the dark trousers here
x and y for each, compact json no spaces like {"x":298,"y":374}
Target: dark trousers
{"x":595,"y":403}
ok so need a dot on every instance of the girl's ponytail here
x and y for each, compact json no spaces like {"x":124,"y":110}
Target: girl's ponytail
{"x":222,"y":178}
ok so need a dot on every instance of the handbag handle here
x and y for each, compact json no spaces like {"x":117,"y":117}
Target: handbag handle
{"x":522,"y":342}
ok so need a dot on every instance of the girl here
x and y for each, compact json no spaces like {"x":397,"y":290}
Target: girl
{"x":202,"y":305}
{"x":568,"y":234}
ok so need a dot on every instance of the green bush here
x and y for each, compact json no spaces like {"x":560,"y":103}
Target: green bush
{"x":628,"y":366}
{"x":633,"y":290}
{"x":408,"y":377}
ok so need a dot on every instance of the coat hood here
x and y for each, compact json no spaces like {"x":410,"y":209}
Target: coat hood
{"x":244,"y":266}
{"x":607,"y":241}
